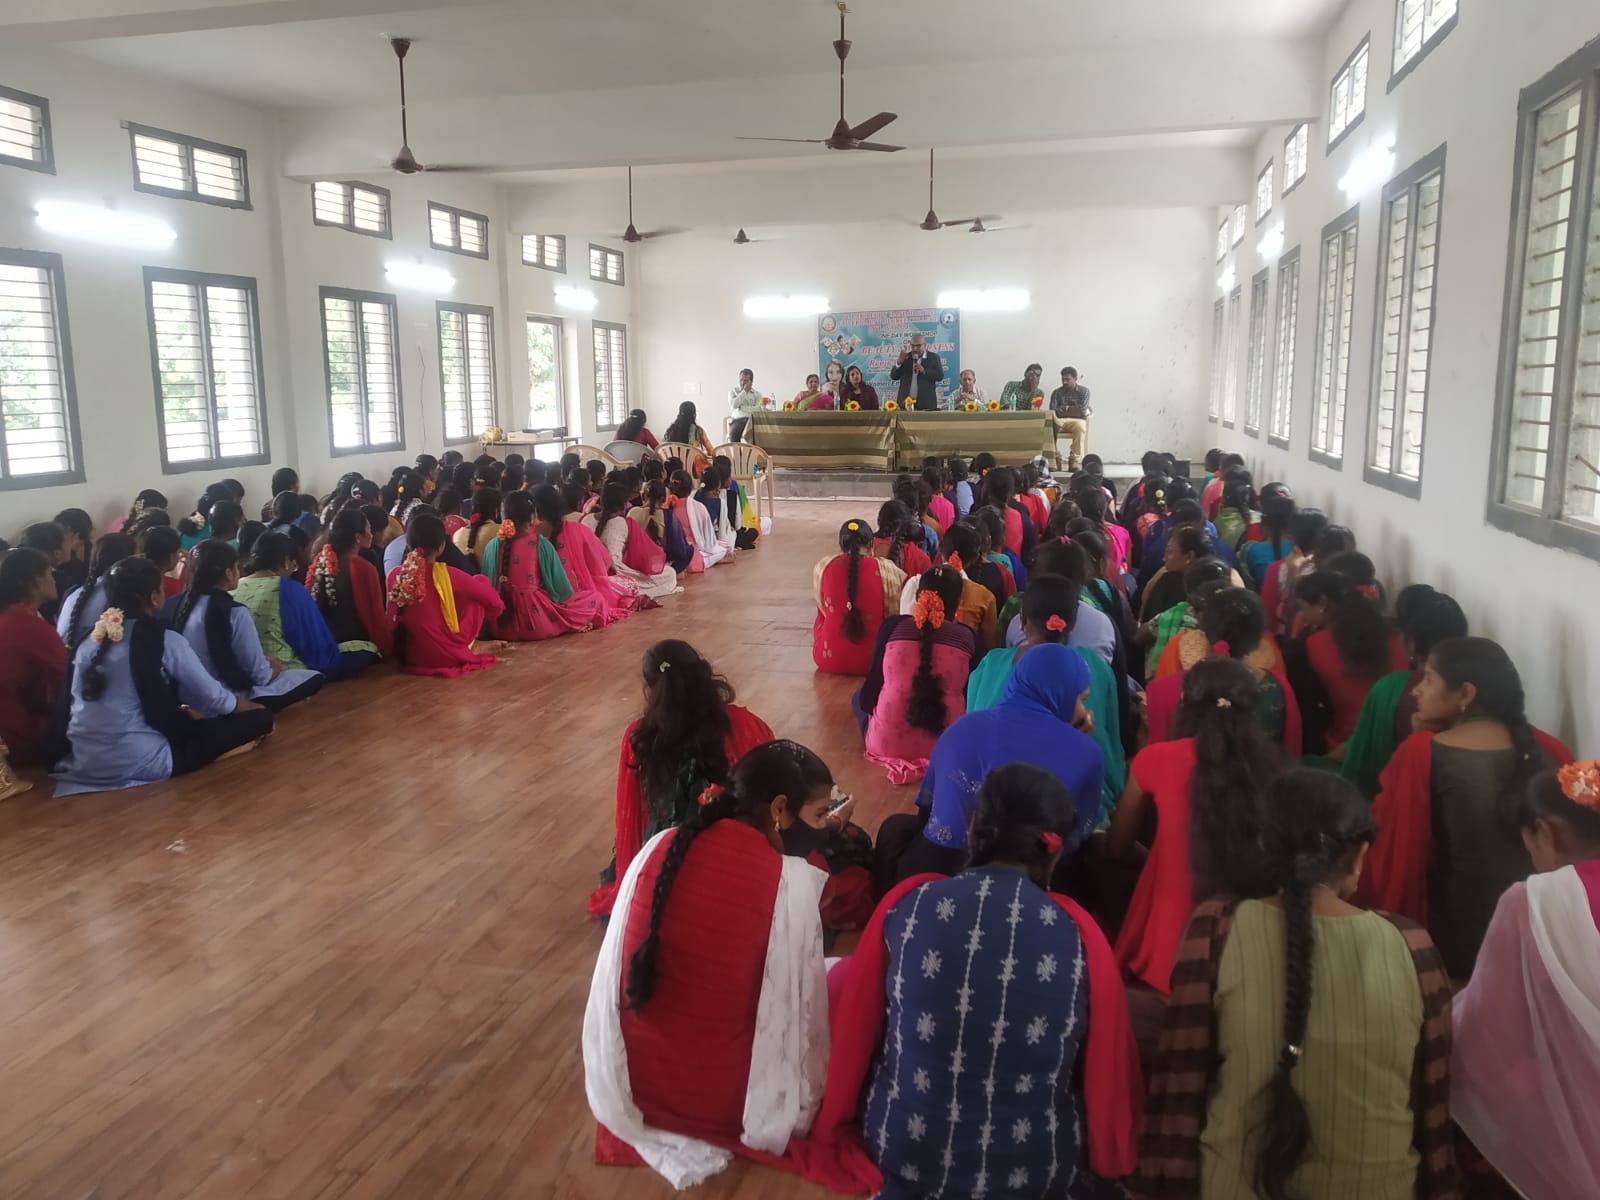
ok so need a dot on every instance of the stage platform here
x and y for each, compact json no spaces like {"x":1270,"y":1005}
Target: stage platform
{"x":798,"y":483}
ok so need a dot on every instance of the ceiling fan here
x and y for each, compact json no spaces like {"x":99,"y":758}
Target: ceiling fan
{"x":931,"y":222}
{"x":844,"y":136}
{"x":406,"y":162}
{"x":632,"y":235}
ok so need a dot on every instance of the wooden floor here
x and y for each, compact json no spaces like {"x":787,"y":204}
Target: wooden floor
{"x":353,"y":963}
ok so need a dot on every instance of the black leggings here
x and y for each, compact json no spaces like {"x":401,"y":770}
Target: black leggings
{"x":205,"y":741}
{"x":900,"y":851}
{"x":308,"y":689}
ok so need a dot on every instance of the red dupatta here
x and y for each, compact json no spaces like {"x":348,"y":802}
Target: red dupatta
{"x":1396,"y":876}
{"x":834,"y":1153}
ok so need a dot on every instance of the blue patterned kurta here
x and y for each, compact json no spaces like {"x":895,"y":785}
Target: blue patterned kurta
{"x":988,"y":1003}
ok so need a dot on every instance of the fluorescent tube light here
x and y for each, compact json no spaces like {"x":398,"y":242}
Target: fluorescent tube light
{"x":416,"y":275}
{"x":104,"y":225}
{"x":578,"y":298}
{"x":985,"y":299}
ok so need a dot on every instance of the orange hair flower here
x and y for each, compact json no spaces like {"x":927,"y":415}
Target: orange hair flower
{"x":955,"y":561}
{"x":508,"y":530}
{"x":711,"y":793}
{"x":928,"y":608}
{"x":1056,"y":623}
{"x":1580,"y":783}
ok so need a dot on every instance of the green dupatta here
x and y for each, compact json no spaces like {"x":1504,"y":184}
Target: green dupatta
{"x":552,"y":575}
{"x":1373,"y":744}
{"x":1169,"y":625}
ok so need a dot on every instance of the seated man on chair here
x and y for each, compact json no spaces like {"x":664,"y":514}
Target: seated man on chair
{"x":1019,"y":394}
{"x":1070,"y":403}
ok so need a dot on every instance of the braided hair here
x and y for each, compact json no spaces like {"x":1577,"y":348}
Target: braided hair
{"x":766,"y":772}
{"x":1313,"y":823}
{"x":685,"y":718}
{"x":1019,"y":807}
{"x":655,"y":496}
{"x":129,"y":586}
{"x":549,"y":508}
{"x":485,"y":511}
{"x":212,"y":562}
{"x":111,"y":549}
{"x":1425,"y":618}
{"x":613,"y":502}
{"x":142,"y":503}
{"x":329,"y":590}
{"x":925,"y":704}
{"x":894,"y":523}
{"x":1229,"y":614}
{"x":213,"y":494}
{"x":1360,"y":631}
{"x":519,"y":511}
{"x":1499,"y":697}
{"x":855,"y":539}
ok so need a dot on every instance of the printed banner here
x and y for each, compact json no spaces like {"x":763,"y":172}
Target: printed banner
{"x":872,"y":340}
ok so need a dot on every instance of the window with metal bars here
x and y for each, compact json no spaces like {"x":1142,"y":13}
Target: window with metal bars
{"x":457,"y":230}
{"x":1218,"y":324}
{"x":1230,"y":360}
{"x":25,"y":131}
{"x":1335,"y":306}
{"x":1282,"y":405}
{"x":605,"y":265}
{"x":547,"y":250}
{"x":1347,"y":102}
{"x":1410,"y":247}
{"x":1547,"y":422}
{"x":1222,"y":241}
{"x":466,"y":369}
{"x":1264,"y":193}
{"x":358,"y":207}
{"x":363,"y":371}
{"x":1419,"y":26}
{"x":545,"y":347}
{"x":39,"y":444}
{"x":1256,"y":354}
{"x":205,"y":340}
{"x":175,"y":164}
{"x":1236,"y":225}
{"x":610,"y":375}
{"x":1295,"y":150}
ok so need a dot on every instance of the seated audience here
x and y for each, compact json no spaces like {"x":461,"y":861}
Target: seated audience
{"x":479,"y":530}
{"x":163,"y":545}
{"x":1448,"y":845}
{"x":1278,"y":588}
{"x":977,"y":609}
{"x":698,"y":525}
{"x":1525,"y":1067}
{"x":82,"y":606}
{"x":78,"y":531}
{"x":438,"y":611}
{"x":1306,"y":1052}
{"x":632,"y":553}
{"x":1164,"y":627}
{"x":144,"y":501}
{"x":287,"y":619}
{"x":895,"y":543}
{"x":1348,"y":646}
{"x":33,"y":661}
{"x":348,"y":589}
{"x":586,"y":561}
{"x":856,"y":591}
{"x":524,"y":566}
{"x":1263,"y":556}
{"x":50,"y":540}
{"x":143,"y":707}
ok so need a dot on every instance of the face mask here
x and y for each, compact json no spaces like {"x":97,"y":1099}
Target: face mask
{"x":800,"y":840}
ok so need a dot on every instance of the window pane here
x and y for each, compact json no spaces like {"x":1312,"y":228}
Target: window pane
{"x":33,"y":406}
{"x":1264,"y":193}
{"x":1581,"y":501}
{"x":544,"y":374}
{"x":370,"y":210}
{"x":1333,"y":349}
{"x":383,"y":393}
{"x":1550,"y":198}
{"x":473,"y":234}
{"x":328,"y":202}
{"x":21,"y":130}
{"x":1358,"y":85}
{"x":160,"y":163}
{"x":235,"y":384}
{"x":1347,"y":285}
{"x":480,"y":371}
{"x":1218,"y":325}
{"x":441,"y":227}
{"x":342,"y":349}
{"x":1238,"y":223}
{"x":1256,"y":364}
{"x":1288,"y":315}
{"x":1390,"y":334}
{"x":1230,"y":358}
{"x":453,"y":374}
{"x":219,"y":175}
{"x":1439,"y":11}
{"x":1419,"y":336}
{"x":610,"y":375}
{"x":180,"y":357}
{"x":1409,"y":36}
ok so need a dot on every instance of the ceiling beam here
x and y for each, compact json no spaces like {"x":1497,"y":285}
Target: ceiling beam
{"x":31,"y":22}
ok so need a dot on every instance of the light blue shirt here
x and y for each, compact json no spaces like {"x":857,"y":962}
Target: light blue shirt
{"x":93,"y":606}
{"x":246,"y":644}
{"x":1093,"y":630}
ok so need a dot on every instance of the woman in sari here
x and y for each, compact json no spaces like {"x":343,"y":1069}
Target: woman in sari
{"x":916,"y":684}
{"x":992,"y":969}
{"x":527,"y":571}
{"x":720,"y":504}
{"x":286,"y":618}
{"x":1306,"y":1051}
{"x":437,"y":610}
{"x":1425,"y":618}
{"x":856,"y":592}
{"x":348,"y":589}
{"x":611,"y":526}
{"x":585,"y":561}
{"x":706,"y":1030}
{"x":686,"y":429}
{"x":1448,"y":844}
{"x":1205,"y":790}
{"x":685,"y":740}
{"x":1050,"y":612}
{"x":1525,"y":1068}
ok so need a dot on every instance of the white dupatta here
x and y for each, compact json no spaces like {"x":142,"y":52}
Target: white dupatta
{"x":1525,"y":1069}
{"x":788,"y":1059}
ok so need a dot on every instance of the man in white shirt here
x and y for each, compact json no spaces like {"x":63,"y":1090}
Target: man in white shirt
{"x":968,"y":390}
{"x":745,"y":402}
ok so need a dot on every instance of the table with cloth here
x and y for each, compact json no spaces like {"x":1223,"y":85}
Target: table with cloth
{"x":889,"y":441}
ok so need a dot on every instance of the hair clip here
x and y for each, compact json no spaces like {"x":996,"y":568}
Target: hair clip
{"x":854,"y":526}
{"x":1051,"y":842}
{"x":711,"y":793}
{"x":1292,"y":1050}
{"x":1580,"y":783}
{"x":1224,"y":702}
{"x":664,"y":667}
{"x":1056,"y":623}
{"x":1222,"y":649}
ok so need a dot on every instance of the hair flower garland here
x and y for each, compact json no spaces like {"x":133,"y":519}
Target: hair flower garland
{"x":1580,"y":783}
{"x":408,"y":585}
{"x":323,"y":573}
{"x":929,"y":609}
{"x":954,"y":562}
{"x":1056,"y":623}
{"x":108,"y":627}
{"x":508,"y":531}
{"x":714,"y":792}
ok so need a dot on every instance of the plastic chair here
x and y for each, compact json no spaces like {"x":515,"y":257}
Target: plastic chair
{"x":628,"y":452}
{"x":752,"y":466}
{"x":587,"y":452}
{"x":694,"y":458}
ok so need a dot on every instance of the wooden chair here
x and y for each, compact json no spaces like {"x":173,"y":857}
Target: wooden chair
{"x":628,"y":452}
{"x":694,"y":458}
{"x":752,"y":467}
{"x":586,"y":452}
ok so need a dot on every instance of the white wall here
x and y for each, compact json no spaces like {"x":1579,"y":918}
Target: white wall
{"x":1114,"y":293}
{"x":1532,"y":599}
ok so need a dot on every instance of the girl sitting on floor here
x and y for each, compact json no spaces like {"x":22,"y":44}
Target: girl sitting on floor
{"x":585,"y":561}
{"x":894,"y":542}
{"x":485,"y":521}
{"x":33,"y":661}
{"x":81,"y":606}
{"x":1261,"y":558}
{"x":223,"y":636}
{"x":163,"y":545}
{"x":697,"y":522}
{"x":856,"y":591}
{"x":287,"y":619}
{"x":992,"y":949}
{"x":524,"y":566}
{"x":977,"y":609}
{"x":348,"y":589}
{"x":719,"y":503}
{"x":992,"y":568}
{"x":689,"y":733}
{"x":611,"y":525}
{"x":917,"y":682}
{"x":437,"y":610}
{"x":1307,"y":1049}
{"x":143,"y":707}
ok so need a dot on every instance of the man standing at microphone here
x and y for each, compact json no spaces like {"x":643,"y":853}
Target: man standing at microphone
{"x":918,"y":372}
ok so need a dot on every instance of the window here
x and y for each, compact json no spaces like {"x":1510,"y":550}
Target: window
{"x":547,"y":250}
{"x":1419,"y":26}
{"x":1334,"y":309}
{"x":38,"y":406}
{"x":544,"y":373}
{"x":358,"y":207}
{"x":1283,"y":372}
{"x":1218,"y":324}
{"x":1348,"y":102}
{"x":457,"y":230}
{"x":1230,"y":361}
{"x":205,"y":337}
{"x":1222,"y":241}
{"x":1264,"y":193}
{"x":358,"y":352}
{"x":466,"y":369}
{"x":1410,"y":248}
{"x":25,"y":131}
{"x":1294,"y":157}
{"x":1236,"y":224}
{"x":1547,"y":425}
{"x":610,"y":375}
{"x":1256,"y":363}
{"x":173,"y":164}
{"x":605,"y":265}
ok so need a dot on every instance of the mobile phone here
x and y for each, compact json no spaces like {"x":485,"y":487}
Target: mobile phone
{"x":840,"y":799}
